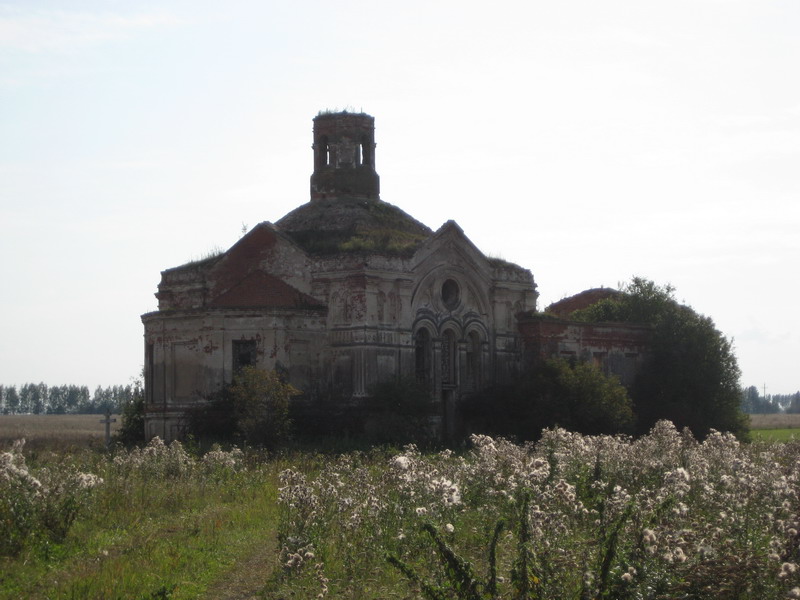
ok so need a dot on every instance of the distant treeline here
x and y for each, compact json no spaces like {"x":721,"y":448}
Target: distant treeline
{"x":41,"y":399}
{"x":755,"y":403}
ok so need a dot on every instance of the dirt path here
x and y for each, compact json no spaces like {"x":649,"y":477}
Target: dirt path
{"x":248,"y":577}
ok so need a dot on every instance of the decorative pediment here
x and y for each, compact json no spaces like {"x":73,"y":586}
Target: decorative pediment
{"x":450,"y":243}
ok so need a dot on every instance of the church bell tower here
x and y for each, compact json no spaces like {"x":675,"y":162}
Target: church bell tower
{"x":344,"y":157}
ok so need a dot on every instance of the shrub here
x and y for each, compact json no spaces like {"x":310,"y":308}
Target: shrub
{"x":254,"y":410}
{"x":42,"y":505}
{"x":18,"y":496}
{"x":261,"y":407}
{"x":131,"y":429}
{"x":400,"y":412}
{"x":156,"y":460}
{"x":573,"y":395}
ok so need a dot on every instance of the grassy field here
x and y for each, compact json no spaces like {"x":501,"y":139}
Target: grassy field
{"x":775,"y":427}
{"x":775,"y":435}
{"x":55,"y":432}
{"x":571,"y":517}
{"x":158,"y":523}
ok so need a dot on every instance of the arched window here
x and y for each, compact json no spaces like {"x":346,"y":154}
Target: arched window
{"x":449,"y":357}
{"x":423,"y":356}
{"x":473,"y":360}
{"x":323,"y":153}
{"x":366,"y":157}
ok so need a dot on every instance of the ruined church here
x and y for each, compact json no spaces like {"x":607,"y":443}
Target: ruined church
{"x":347,"y":291}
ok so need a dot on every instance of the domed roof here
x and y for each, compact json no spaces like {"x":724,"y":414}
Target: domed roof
{"x":330,"y":226}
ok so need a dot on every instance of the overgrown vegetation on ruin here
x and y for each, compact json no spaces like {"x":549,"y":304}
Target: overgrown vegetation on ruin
{"x":571,"y":394}
{"x":692,"y":376}
{"x":253,"y":410}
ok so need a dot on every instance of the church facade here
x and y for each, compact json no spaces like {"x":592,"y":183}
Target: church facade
{"x":342,"y":293}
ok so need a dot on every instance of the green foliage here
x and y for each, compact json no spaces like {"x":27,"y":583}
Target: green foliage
{"x":64,"y":399}
{"x":522,"y":577}
{"x":41,"y":505}
{"x":399,"y":412}
{"x":145,"y":532}
{"x":692,"y":376}
{"x":460,"y":575}
{"x":580,"y":397}
{"x":775,"y":435}
{"x":574,"y":395}
{"x":261,"y":407}
{"x":660,"y":516}
{"x":131,"y":429}
{"x":253,"y":410}
{"x":754,"y":403}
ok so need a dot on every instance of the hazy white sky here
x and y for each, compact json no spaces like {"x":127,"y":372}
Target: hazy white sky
{"x":588,"y":141}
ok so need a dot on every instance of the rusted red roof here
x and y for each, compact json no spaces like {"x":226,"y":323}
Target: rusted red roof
{"x":262,"y":290}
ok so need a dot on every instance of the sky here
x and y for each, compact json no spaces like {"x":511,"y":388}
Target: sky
{"x":587,"y":141}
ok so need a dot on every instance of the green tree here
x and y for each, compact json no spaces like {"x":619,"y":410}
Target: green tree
{"x":131,"y":429}
{"x":260,"y":403}
{"x":794,"y":403}
{"x":12,"y":400}
{"x":580,"y":397}
{"x":26,"y":394}
{"x":574,"y":395}
{"x":691,"y":376}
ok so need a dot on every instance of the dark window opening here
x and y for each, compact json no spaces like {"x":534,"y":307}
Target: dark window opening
{"x":365,"y":155}
{"x":422,"y":356}
{"x":325,"y":152}
{"x":448,"y":357}
{"x":451,"y":294}
{"x":148,"y":373}
{"x":473,"y":360}
{"x":244,"y":354}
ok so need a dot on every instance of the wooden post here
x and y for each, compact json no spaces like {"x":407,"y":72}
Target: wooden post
{"x":108,"y":421}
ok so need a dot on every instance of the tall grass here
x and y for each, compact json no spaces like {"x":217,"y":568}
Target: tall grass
{"x":161,"y":524}
{"x":56,"y":433}
{"x":664,"y":516}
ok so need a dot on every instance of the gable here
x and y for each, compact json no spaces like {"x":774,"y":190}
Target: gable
{"x":450,"y":264}
{"x":450,"y":243}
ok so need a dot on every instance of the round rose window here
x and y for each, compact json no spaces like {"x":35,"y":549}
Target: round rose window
{"x":451,"y":294}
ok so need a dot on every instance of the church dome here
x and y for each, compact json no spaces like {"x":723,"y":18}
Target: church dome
{"x":345,"y":213}
{"x":334,"y":225}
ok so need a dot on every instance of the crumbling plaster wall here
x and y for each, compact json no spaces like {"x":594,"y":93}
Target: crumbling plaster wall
{"x":189,"y":353}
